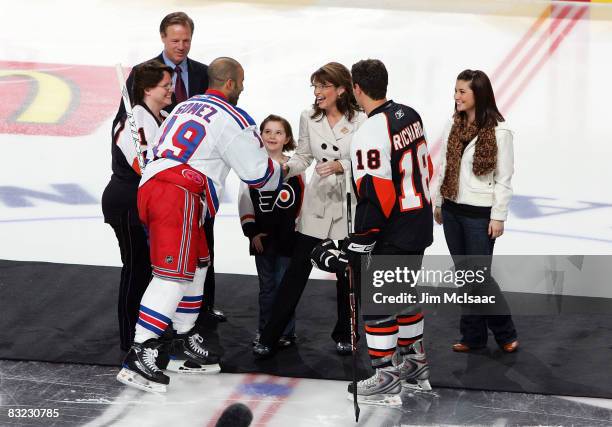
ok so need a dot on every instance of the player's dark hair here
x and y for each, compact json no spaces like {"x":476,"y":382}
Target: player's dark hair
{"x":286,"y":126}
{"x":338,"y":75}
{"x":147,"y":75}
{"x":371,"y":76}
{"x":487,"y":113}
{"x":175,"y":18}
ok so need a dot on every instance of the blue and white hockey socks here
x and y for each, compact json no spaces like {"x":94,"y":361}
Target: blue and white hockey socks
{"x":157,"y":307}
{"x":189,"y":306}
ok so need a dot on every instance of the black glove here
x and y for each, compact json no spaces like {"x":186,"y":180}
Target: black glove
{"x":358,"y":244}
{"x":326,"y":256}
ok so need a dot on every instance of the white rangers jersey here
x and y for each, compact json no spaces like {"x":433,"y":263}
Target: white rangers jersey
{"x":212,"y":136}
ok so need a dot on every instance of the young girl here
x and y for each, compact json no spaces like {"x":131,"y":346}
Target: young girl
{"x":268,"y":220}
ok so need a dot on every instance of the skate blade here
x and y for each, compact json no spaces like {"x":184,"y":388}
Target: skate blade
{"x":178,"y":366}
{"x":378,"y":399}
{"x":135,"y":380}
{"x":421,"y":385}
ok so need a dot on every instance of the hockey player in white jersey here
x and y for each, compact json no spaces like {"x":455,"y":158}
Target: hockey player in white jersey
{"x":195,"y":148}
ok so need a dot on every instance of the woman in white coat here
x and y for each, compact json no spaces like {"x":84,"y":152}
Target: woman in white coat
{"x":473,"y":192}
{"x":325,"y":135}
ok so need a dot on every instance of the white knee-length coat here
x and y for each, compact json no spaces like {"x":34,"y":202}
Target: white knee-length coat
{"x":324,"y":207}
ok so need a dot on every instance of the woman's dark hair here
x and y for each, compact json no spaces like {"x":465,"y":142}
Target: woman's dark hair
{"x":147,"y":75}
{"x":338,"y":75}
{"x":274,"y":118}
{"x":487,"y":113}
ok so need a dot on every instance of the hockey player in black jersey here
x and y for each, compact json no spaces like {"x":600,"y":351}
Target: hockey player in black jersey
{"x":391,"y":172}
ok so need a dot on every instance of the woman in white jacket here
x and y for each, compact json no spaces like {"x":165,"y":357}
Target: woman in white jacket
{"x":326,"y":131}
{"x":473,"y":192}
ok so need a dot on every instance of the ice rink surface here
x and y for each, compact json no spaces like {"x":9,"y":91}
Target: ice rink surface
{"x":550,"y":65}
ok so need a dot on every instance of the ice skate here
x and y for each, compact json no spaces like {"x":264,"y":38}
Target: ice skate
{"x":383,"y":388}
{"x":140,"y":369}
{"x":189,"y":356}
{"x":413,"y":368}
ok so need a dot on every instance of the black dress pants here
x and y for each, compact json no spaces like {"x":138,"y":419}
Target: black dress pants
{"x":291,"y":289}
{"x":135,"y":274}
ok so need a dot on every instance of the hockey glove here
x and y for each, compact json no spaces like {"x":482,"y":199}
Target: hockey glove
{"x":326,"y":256}
{"x":358,"y":244}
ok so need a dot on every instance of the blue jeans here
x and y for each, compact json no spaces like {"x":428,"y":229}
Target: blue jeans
{"x":271,"y":268}
{"x":469,"y":236}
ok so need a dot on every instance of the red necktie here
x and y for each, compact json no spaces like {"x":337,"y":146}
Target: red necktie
{"x":179,"y":88}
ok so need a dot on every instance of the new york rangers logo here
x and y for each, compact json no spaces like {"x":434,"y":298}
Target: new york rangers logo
{"x":192,"y":175}
{"x":284,"y":200}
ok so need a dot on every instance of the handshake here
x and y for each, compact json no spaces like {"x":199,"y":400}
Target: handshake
{"x":327,"y":257}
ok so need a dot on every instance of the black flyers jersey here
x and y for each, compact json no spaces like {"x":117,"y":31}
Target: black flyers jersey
{"x":392,"y":169}
{"x":273,"y":213}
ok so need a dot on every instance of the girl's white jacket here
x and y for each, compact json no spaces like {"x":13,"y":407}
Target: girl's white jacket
{"x":493,"y":189}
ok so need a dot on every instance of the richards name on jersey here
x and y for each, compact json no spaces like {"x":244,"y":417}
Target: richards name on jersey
{"x":407,"y":135}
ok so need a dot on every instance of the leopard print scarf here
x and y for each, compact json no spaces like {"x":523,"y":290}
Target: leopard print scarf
{"x":485,"y":155}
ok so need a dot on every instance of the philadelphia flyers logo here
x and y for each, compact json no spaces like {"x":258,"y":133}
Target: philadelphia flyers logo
{"x":284,"y":200}
{"x":286,"y":197}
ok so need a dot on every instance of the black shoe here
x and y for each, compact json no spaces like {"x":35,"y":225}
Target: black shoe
{"x":262,"y":351}
{"x":344,"y":348}
{"x":287,"y":340}
{"x":216,"y":314}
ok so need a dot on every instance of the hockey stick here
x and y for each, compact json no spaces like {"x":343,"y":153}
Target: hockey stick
{"x":130,"y":116}
{"x":349,"y":272}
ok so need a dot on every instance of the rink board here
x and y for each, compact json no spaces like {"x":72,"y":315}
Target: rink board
{"x":66,"y":313}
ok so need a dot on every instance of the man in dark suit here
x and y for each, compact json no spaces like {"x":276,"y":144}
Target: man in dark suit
{"x":190,"y":78}
{"x":176,"y":30}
